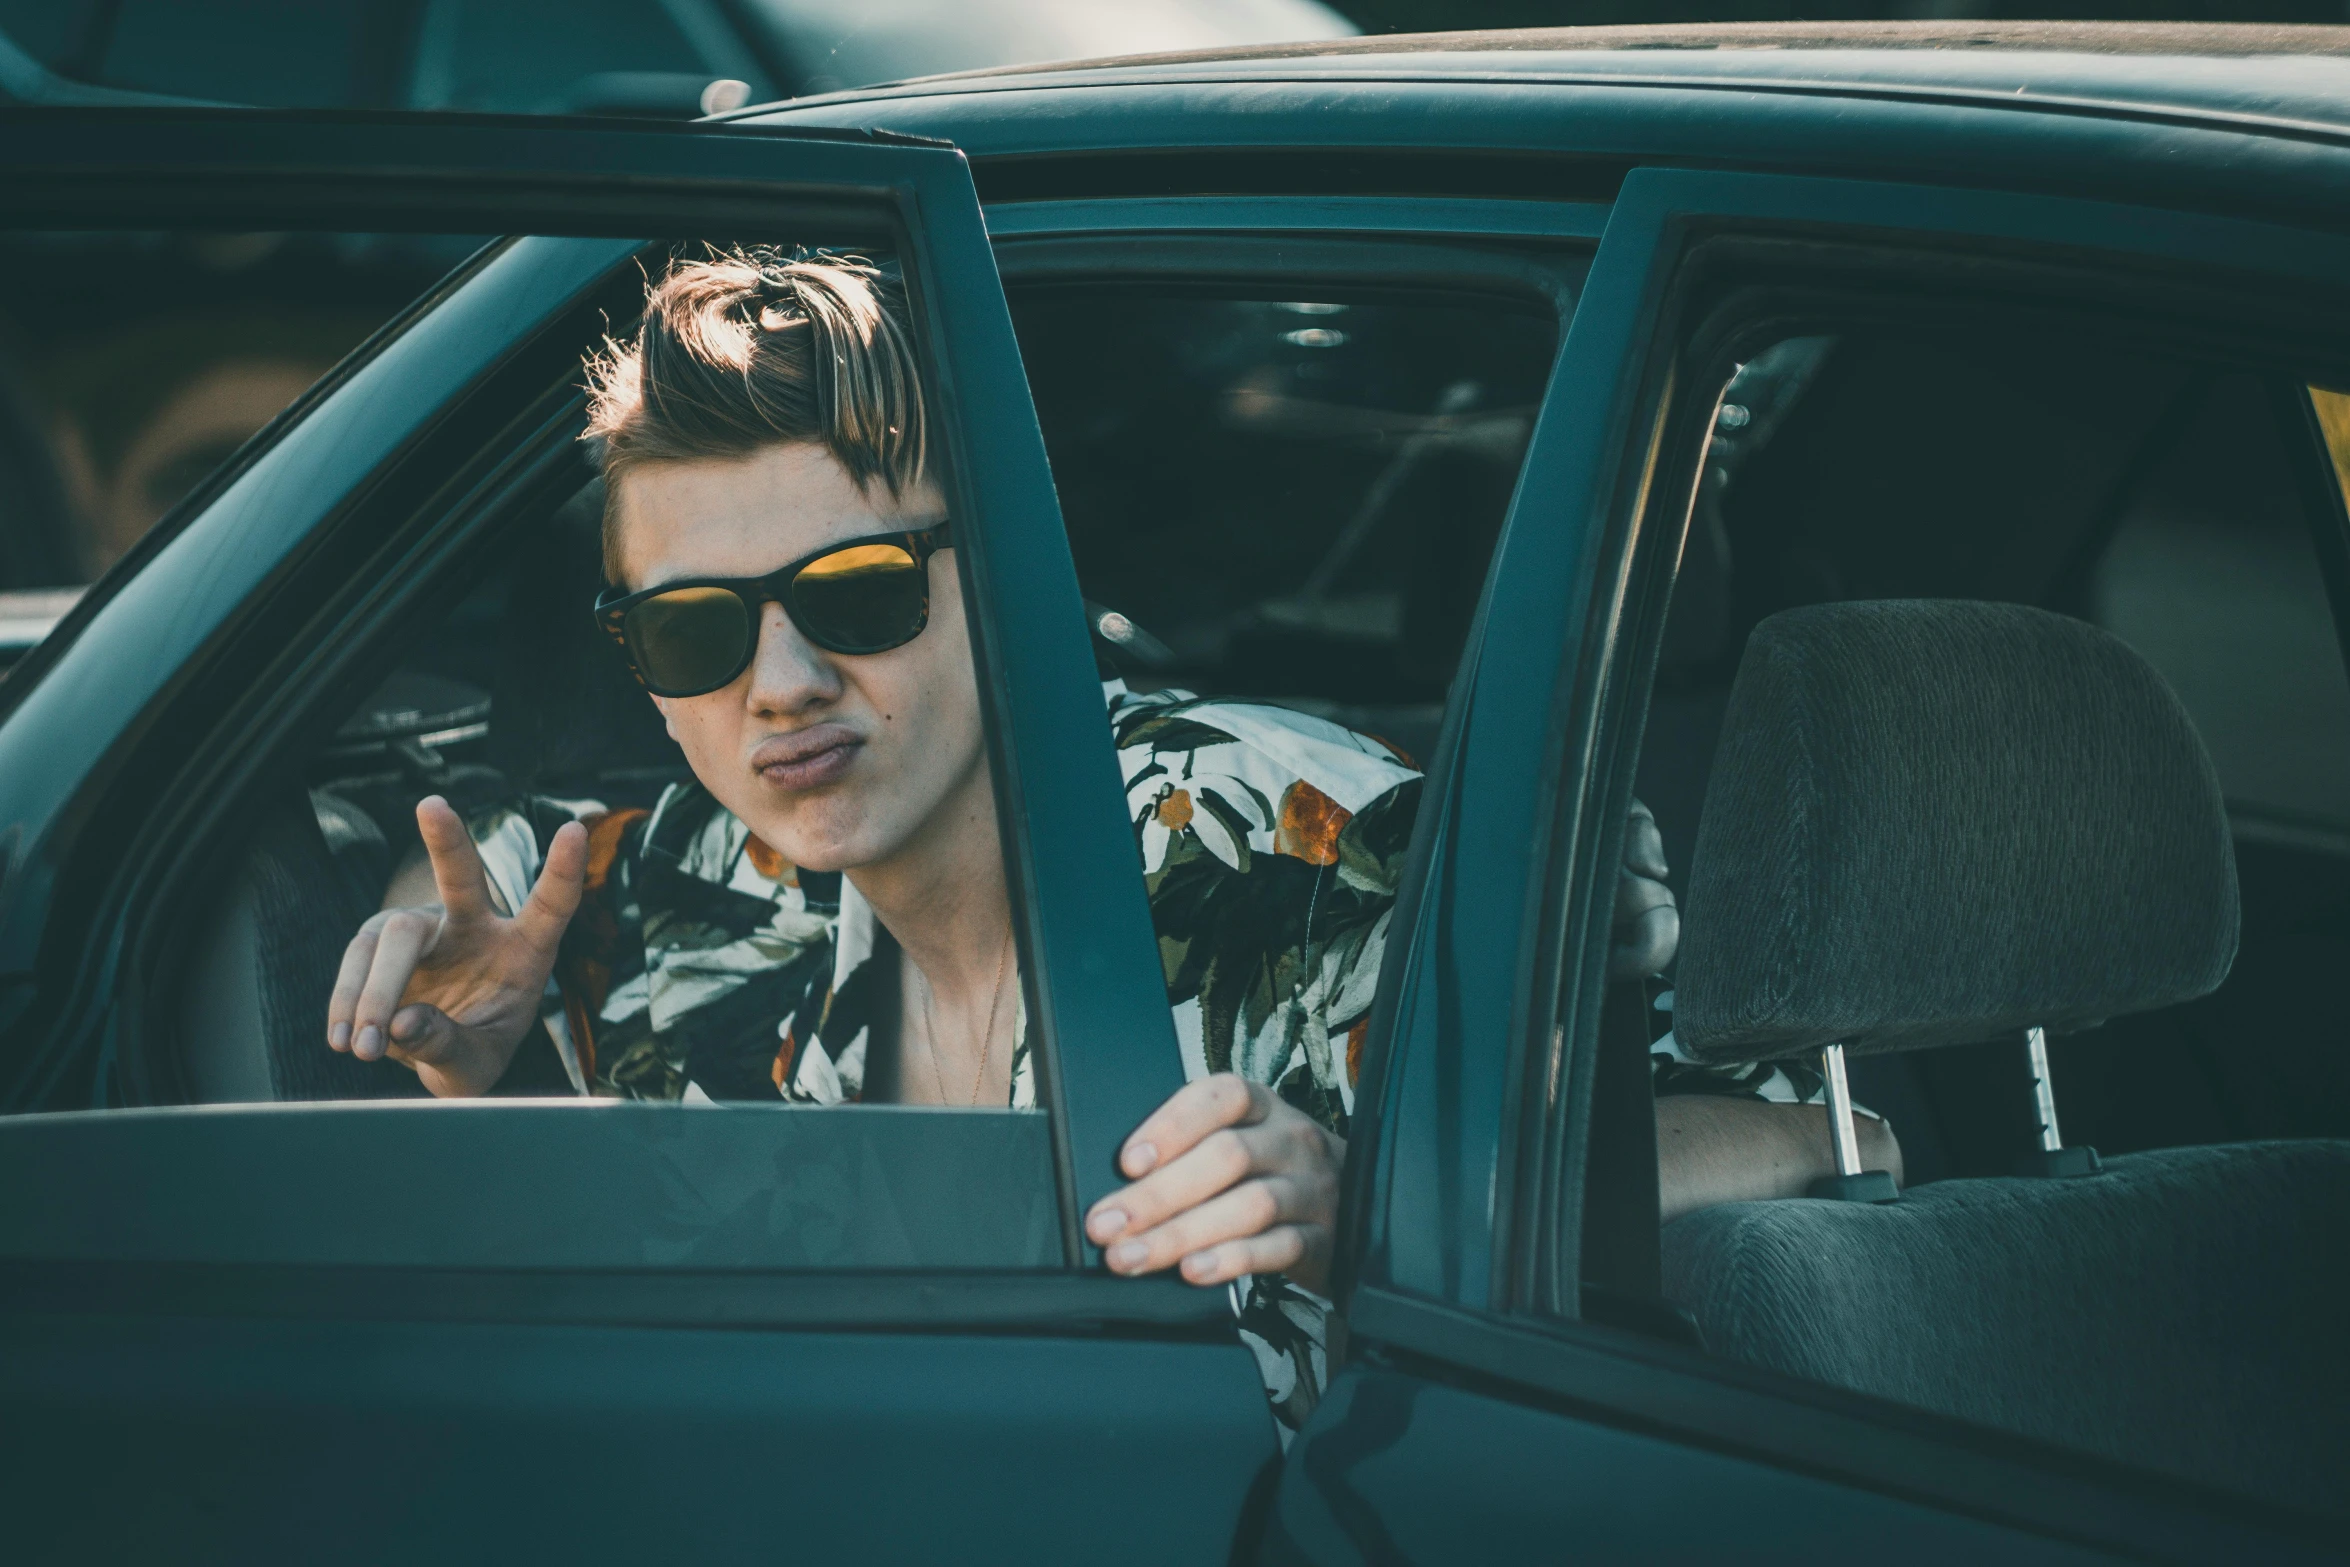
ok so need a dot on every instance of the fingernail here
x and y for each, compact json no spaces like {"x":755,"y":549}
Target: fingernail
{"x":1141,"y":1158}
{"x":370,"y":1044}
{"x":1106,"y":1225}
{"x":339,"y":1036}
{"x":1198,"y":1265}
{"x":1129,"y":1254}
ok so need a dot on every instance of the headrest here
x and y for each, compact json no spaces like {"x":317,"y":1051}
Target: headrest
{"x":1933,"y":822}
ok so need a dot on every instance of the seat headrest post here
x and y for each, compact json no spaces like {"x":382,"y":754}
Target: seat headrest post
{"x":2052,"y":1160}
{"x":1850,"y":1183}
{"x":1840,"y":1132}
{"x":2043,"y":1092}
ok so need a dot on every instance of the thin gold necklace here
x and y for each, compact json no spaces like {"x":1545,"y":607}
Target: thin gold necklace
{"x":995,"y":1002}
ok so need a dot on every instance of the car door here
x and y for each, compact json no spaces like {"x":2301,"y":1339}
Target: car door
{"x":526,"y":1328}
{"x":1513,"y":1387}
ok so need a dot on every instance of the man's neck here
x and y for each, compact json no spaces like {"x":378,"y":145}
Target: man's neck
{"x":942,"y":897}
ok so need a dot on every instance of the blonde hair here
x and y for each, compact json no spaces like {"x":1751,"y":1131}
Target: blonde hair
{"x":755,"y":348}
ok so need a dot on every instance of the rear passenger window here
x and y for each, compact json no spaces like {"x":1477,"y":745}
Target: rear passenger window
{"x":2213,"y":574}
{"x":2003,"y":686}
{"x":1291,"y":499}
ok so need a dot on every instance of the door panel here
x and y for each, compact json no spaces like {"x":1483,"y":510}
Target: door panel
{"x":1473,"y":1194}
{"x":1521,"y":1485}
{"x":161,"y":1438}
{"x":526,"y":1357}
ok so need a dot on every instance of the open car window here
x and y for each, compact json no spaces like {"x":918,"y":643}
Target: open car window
{"x":1955,"y":605}
{"x":404,"y":585}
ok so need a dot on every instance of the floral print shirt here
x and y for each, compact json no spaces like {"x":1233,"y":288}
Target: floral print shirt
{"x":702,"y":965}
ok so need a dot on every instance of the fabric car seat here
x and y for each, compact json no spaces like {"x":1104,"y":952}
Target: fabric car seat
{"x":1934,"y":823}
{"x":253,"y":1012}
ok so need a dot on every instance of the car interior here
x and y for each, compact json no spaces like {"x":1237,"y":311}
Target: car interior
{"x":1287,"y":500}
{"x":2003,"y":670}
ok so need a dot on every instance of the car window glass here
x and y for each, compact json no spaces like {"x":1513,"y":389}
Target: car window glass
{"x":1292,"y":499}
{"x":288,"y":53}
{"x":2227,"y":599}
{"x":132,"y":366}
{"x":1922,"y":485}
{"x":721,"y":964}
{"x":547,"y":57}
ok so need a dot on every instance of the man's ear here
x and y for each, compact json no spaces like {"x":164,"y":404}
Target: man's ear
{"x":667,"y":721}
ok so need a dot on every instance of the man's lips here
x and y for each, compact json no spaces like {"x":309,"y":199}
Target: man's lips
{"x":806,"y":758}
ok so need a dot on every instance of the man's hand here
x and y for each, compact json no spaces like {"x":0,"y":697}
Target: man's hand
{"x":1228,"y":1180}
{"x":1647,"y":927}
{"x":450,"y":989}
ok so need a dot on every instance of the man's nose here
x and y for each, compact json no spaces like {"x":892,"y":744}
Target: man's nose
{"x":789,"y":674}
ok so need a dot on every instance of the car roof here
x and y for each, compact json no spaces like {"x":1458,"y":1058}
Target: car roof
{"x":2286,"y":75}
{"x":2153,"y":39}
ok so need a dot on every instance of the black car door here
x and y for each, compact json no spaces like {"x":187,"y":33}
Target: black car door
{"x":529,"y":1329}
{"x":1512,"y":1388}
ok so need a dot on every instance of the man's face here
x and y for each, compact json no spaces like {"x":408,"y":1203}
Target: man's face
{"x":835,"y":760}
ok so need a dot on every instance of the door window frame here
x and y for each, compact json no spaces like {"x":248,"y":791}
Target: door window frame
{"x":1507,"y":948}
{"x":270,"y":587}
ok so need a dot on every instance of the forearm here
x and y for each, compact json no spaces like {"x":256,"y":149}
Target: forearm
{"x":1715,"y":1148}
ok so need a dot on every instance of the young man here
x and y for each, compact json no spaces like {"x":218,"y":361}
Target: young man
{"x":819,"y":914}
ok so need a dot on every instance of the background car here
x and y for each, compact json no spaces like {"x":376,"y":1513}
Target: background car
{"x":652,"y":57}
{"x":1939,"y":483}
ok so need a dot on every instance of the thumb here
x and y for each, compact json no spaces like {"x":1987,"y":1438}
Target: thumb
{"x":422,"y":1034}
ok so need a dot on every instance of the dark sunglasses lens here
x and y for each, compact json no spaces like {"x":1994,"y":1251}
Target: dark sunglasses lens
{"x":865,"y":599}
{"x":690,"y":641}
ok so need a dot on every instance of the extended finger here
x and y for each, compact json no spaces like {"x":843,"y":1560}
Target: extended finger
{"x":1292,"y":1145}
{"x":402,"y":941}
{"x":456,"y":864}
{"x":1250,"y":1208}
{"x":350,"y":979}
{"x":555,"y":897}
{"x":1284,"y":1248}
{"x":1193,"y":1112}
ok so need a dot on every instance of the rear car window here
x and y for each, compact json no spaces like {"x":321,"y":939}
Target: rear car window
{"x":1293,"y":498}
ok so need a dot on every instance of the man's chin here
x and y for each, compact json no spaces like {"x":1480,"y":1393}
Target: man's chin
{"x":814,"y":845}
